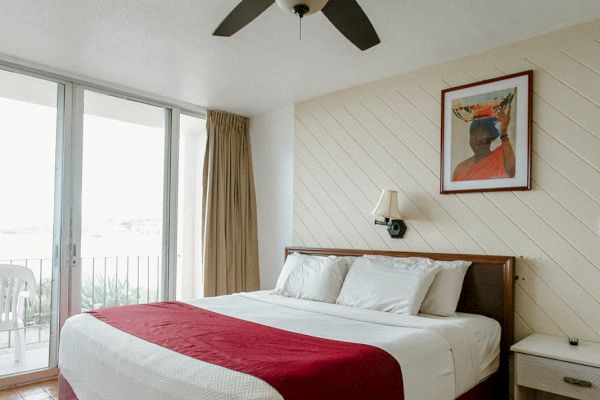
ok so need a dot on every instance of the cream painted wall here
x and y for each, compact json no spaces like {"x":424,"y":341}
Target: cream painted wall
{"x":350,"y":144}
{"x":271,"y":136}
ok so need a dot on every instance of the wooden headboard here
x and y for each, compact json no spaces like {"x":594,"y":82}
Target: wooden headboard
{"x":488,"y":288}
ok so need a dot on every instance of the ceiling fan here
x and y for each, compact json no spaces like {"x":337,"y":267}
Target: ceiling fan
{"x":346,"y":15}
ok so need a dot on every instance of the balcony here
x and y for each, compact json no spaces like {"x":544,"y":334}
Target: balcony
{"x":106,"y":282}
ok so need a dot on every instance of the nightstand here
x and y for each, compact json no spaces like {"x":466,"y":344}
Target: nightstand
{"x":551,"y":364}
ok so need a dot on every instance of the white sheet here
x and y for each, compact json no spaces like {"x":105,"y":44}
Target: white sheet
{"x":487,"y":333}
{"x":440,"y":358}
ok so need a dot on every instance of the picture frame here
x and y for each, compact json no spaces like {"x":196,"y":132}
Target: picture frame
{"x":486,"y":135}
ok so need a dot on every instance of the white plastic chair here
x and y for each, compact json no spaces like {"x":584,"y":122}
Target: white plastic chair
{"x":16,"y":282}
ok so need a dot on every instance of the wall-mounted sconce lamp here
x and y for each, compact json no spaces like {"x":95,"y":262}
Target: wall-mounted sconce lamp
{"x":387,"y":208}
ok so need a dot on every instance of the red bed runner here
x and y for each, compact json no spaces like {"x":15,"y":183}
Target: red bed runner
{"x":298,"y":366}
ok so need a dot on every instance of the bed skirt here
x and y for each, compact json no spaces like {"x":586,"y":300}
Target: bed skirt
{"x":486,"y":390}
{"x":65,"y":391}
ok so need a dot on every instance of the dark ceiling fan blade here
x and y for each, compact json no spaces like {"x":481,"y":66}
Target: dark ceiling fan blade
{"x":242,"y":15}
{"x":350,"y":19}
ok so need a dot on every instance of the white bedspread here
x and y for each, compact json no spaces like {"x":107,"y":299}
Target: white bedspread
{"x":440,"y":358}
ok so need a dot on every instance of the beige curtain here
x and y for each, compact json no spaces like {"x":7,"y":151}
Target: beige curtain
{"x":230,"y":244}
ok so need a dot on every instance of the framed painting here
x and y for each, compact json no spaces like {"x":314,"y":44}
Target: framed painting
{"x":486,"y":135}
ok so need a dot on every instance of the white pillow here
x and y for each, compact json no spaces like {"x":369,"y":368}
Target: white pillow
{"x":314,"y":278}
{"x":444,"y":293}
{"x":386,"y":284}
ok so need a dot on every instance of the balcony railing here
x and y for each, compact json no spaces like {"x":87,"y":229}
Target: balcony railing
{"x":119,"y":280}
{"x":105,"y":282}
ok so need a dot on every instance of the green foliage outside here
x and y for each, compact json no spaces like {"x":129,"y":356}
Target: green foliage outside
{"x":117,"y":293}
{"x":93,"y":296}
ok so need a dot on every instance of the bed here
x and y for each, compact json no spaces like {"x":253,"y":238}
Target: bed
{"x":440,"y":358}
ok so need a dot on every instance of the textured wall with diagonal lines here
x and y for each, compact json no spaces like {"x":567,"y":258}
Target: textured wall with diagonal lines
{"x":350,"y":144}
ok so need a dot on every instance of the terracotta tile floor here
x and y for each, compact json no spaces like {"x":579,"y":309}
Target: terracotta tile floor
{"x":47,"y":390}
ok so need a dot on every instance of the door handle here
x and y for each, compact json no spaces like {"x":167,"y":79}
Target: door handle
{"x":74,"y":255}
{"x":577,"y":382}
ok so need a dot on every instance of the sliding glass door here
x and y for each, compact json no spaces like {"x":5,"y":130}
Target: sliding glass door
{"x":101,"y":206}
{"x":121,"y":250}
{"x":31,"y":136}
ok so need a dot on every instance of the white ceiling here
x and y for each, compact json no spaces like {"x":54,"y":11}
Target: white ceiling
{"x":165,"y":47}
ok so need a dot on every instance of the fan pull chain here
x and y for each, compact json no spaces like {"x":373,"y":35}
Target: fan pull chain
{"x":300,"y":10}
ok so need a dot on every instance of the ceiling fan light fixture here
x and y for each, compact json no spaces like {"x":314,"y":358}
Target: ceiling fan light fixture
{"x":347,"y":16}
{"x":291,"y":6}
